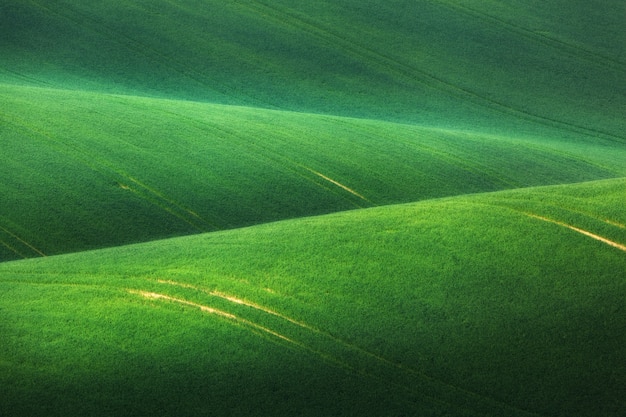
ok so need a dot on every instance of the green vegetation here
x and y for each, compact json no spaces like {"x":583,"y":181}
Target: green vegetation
{"x":98,"y":170}
{"x":408,"y":309}
{"x":483,"y":64}
{"x":346,"y":208}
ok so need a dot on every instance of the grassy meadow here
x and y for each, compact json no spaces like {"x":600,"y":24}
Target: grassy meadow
{"x":313,"y":208}
{"x":101,"y":170}
{"x":411,"y":309}
{"x":488,"y":65}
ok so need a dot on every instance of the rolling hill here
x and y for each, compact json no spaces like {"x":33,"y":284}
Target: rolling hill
{"x":132,"y":121}
{"x":412,"y":309}
{"x":347,"y":208}
{"x":484,"y":65}
{"x":86,"y":170}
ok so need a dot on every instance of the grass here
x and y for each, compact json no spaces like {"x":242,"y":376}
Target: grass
{"x":406,"y":309}
{"x":316,"y":208}
{"x":518,"y":65}
{"x":86,"y":170}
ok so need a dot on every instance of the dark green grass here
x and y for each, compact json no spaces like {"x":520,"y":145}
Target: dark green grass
{"x":460,"y":306}
{"x":491,"y":65}
{"x":86,"y":170}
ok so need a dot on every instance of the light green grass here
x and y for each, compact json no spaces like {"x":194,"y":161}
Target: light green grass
{"x":86,"y":170}
{"x":413,"y":309}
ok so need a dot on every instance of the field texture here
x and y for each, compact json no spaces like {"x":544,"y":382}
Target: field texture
{"x":411,"y":309}
{"x":312,"y":208}
{"x":95,"y":170}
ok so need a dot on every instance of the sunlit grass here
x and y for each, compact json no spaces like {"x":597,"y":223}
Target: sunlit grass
{"x":414,"y":308}
{"x":87,"y":170}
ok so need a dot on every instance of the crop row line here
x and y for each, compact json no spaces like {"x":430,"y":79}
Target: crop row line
{"x":142,"y":49}
{"x":263,"y":152}
{"x":22,"y":241}
{"x":267,"y":332}
{"x":411,"y":139}
{"x":579,"y":230}
{"x":408,"y":72}
{"x":104,"y":167}
{"x":507,"y":204}
{"x":350,"y":356}
{"x":25,"y":77}
{"x":12,"y":249}
{"x":562,"y":46}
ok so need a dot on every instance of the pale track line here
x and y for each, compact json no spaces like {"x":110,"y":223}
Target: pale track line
{"x":211,"y":310}
{"x":237,"y":319}
{"x":581,"y":231}
{"x":338,"y":184}
{"x":265,"y":153}
{"x":12,"y":249}
{"x":324,"y":356}
{"x":239,"y":301}
{"x":22,"y":241}
{"x":106,"y":168}
{"x":169,"y":205}
{"x":354,"y":348}
{"x":614,"y":223}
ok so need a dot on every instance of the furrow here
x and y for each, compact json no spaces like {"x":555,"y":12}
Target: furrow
{"x":581,"y":231}
{"x":411,"y":73}
{"x":417,"y":383}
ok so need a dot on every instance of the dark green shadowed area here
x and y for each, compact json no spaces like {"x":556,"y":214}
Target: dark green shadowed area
{"x":491,"y":65}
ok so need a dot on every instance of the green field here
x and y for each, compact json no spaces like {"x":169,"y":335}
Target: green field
{"x":101,"y":170}
{"x":315,"y":208}
{"x":409,"y":309}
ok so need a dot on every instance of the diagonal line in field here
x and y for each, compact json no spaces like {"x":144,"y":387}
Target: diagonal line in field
{"x":236,"y":300}
{"x":338,"y":184}
{"x":568,"y":47}
{"x":409,"y":71}
{"x":434,"y":383}
{"x":12,"y":249}
{"x":614,"y":223}
{"x":215,"y":311}
{"x":581,"y":231}
{"x":13,"y":235}
{"x":204,"y":308}
{"x":254,"y":326}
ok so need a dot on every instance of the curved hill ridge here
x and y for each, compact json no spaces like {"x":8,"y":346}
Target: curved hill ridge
{"x":452,"y":64}
{"x":327,"y":207}
{"x":406,"y":309}
{"x":84,"y":170}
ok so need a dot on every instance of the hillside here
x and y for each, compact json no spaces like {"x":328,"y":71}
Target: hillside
{"x":126,"y":121}
{"x":313,"y":208}
{"x":405,"y":310}
{"x":88,"y":170}
{"x":485,"y":65}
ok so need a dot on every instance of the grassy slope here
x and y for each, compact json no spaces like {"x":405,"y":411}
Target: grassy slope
{"x":415,"y":309}
{"x":411,"y":309}
{"x":84,"y":170}
{"x":452,"y":64}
